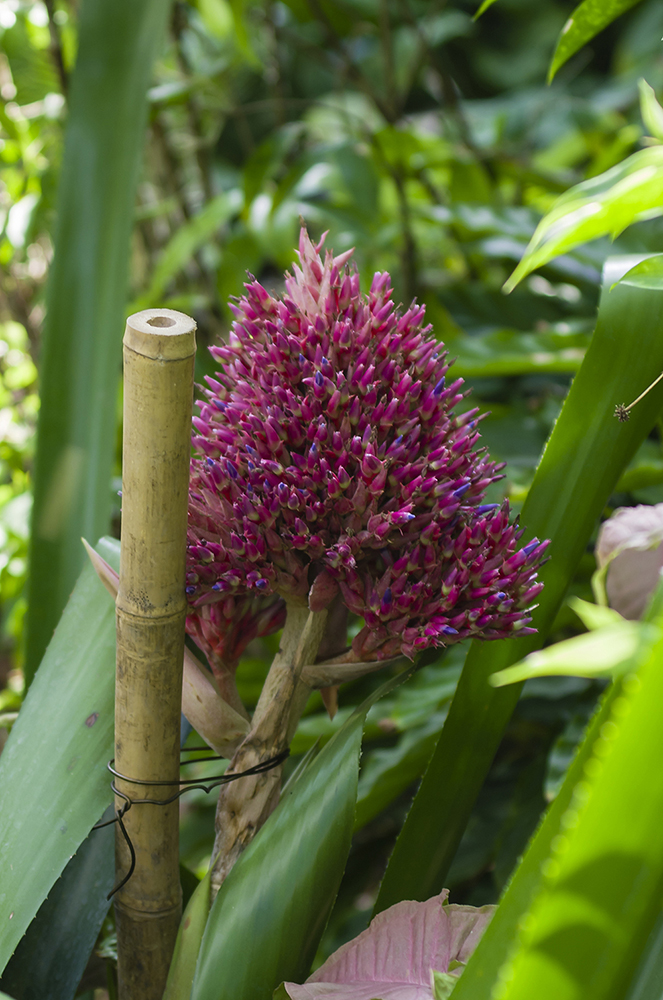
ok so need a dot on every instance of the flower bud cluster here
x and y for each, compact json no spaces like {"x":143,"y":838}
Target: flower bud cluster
{"x":329,"y":459}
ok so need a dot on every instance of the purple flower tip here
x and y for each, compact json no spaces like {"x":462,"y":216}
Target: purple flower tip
{"x":529,"y":548}
{"x":328,"y":447}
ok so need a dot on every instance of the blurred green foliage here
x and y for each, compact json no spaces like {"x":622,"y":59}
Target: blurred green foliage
{"x":18,"y":409}
{"x":432,"y":144}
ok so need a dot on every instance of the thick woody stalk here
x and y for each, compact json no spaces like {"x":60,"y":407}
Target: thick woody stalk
{"x":245,"y":805}
{"x":159,"y":346}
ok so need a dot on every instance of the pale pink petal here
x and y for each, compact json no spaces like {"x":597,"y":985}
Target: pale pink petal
{"x":630,"y":543}
{"x":358,"y":991}
{"x":402,"y":944}
{"x":394,"y":957}
{"x":638,"y":527}
{"x":464,"y":925}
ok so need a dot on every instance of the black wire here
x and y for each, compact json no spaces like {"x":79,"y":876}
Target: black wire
{"x":191,"y":783}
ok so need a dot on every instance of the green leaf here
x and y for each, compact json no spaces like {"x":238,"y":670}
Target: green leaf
{"x":646,"y":273}
{"x":388,"y":773}
{"x":54,"y":785}
{"x":81,"y":350}
{"x":484,"y":6}
{"x":650,"y":110}
{"x":594,"y":616}
{"x":647,"y":983}
{"x":586,"y":21}
{"x":187,"y":945}
{"x":603,"y":205}
{"x":481,"y":971}
{"x":602,"y":881}
{"x":583,"y":459}
{"x":187,"y":240}
{"x":608,"y":652}
{"x":484,"y":964}
{"x":51,"y":957}
{"x":267,"y":919}
{"x":508,"y":352}
{"x":443,"y":984}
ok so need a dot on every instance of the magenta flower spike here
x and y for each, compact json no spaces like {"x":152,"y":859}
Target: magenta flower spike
{"x":330,"y":461}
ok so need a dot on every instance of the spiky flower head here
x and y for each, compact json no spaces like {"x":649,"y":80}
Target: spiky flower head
{"x":330,"y":462}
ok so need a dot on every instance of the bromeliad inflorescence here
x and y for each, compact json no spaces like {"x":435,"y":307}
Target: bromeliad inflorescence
{"x":330,"y":465}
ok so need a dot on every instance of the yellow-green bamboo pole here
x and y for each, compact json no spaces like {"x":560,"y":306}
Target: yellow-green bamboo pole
{"x":159,"y":346}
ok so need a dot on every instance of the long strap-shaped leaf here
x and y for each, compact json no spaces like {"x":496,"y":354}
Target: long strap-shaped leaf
{"x":81,"y":357}
{"x":53,"y":780}
{"x":267,"y":919}
{"x":483,"y":967}
{"x":478,"y":978}
{"x":647,"y":983}
{"x":582,"y":461}
{"x":50,"y":959}
{"x":603,"y":879}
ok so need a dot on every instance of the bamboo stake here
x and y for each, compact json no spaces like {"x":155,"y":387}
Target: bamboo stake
{"x":159,"y":346}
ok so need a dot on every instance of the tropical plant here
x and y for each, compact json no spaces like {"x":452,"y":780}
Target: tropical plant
{"x":407,"y":132}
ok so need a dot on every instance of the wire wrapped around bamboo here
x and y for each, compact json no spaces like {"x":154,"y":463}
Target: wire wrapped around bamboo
{"x":159,"y":347}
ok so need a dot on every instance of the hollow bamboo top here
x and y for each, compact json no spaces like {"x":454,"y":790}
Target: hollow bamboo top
{"x":162,"y":334}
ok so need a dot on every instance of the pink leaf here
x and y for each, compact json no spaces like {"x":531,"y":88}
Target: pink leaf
{"x":630,"y":544}
{"x":394,"y":958}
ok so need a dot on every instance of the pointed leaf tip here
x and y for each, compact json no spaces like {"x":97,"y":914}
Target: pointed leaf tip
{"x":106,"y":573}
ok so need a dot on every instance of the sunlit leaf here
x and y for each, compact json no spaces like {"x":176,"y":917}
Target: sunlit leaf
{"x":603,"y":205}
{"x":647,"y":273}
{"x":583,"y":459}
{"x":483,"y":967}
{"x":484,"y":6}
{"x":594,"y":616}
{"x":647,"y":983}
{"x":600,"y":894}
{"x":586,"y":21}
{"x":608,"y":652}
{"x":650,"y":110}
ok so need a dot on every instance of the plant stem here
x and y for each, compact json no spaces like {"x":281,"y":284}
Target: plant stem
{"x":245,"y":805}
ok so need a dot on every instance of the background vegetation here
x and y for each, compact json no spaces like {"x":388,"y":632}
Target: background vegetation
{"x":432,"y":144}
